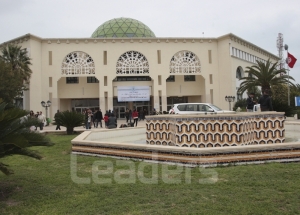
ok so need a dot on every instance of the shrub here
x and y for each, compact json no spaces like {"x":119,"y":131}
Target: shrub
{"x":16,"y":136}
{"x":70,"y":120}
{"x":242,"y":103}
{"x":280,"y":106}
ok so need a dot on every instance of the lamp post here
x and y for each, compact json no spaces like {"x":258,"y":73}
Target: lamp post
{"x":229,"y":99}
{"x":46,"y":105}
{"x":286,"y":47}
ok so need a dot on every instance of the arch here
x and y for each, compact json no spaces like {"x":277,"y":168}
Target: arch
{"x":239,"y":73}
{"x":78,"y":63}
{"x":132,"y":62}
{"x":185,"y":62}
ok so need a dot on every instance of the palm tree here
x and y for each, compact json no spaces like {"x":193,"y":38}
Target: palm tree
{"x":15,"y":135}
{"x":70,"y":120}
{"x":264,"y":75}
{"x":18,"y":59}
{"x":15,"y":72}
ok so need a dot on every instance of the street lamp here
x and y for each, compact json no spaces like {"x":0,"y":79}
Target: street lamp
{"x":229,"y":99}
{"x":46,"y":105}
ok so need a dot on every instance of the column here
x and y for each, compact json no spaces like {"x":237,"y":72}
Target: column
{"x":164,"y":93}
{"x":53,"y":93}
{"x":105,"y":93}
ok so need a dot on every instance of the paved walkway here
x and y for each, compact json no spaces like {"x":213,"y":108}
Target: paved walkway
{"x":51,"y":128}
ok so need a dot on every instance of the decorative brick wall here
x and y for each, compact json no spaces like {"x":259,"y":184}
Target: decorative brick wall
{"x":220,"y":130}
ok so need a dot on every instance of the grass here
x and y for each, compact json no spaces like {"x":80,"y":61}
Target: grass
{"x":46,"y":187}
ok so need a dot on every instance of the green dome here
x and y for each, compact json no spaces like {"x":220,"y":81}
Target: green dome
{"x":123,"y":27}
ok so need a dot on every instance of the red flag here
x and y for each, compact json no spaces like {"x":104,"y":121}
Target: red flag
{"x":291,"y":60}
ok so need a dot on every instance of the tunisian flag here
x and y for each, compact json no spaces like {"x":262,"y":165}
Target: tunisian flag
{"x":291,"y":60}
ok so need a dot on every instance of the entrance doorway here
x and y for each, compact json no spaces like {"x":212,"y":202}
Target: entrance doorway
{"x":119,"y":111}
{"x":79,"y":105}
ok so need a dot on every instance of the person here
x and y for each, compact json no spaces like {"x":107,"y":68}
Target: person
{"x":130,"y":115}
{"x":112,"y":121}
{"x":106,"y":120}
{"x":42,"y":120}
{"x":86,"y":117}
{"x":265,"y":102}
{"x":250,"y":102}
{"x":93,"y":118}
{"x":127,"y":115}
{"x":31,"y":114}
{"x":99,"y":118}
{"x":135,"y":116}
{"x":89,"y":122}
{"x":56,"y":120}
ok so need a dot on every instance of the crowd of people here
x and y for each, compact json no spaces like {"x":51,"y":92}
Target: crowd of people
{"x":94,"y":119}
{"x":264,"y":102}
{"x":41,"y":118}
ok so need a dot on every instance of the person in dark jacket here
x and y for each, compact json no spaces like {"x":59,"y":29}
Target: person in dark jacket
{"x":250,"y":102}
{"x":265,"y":102}
{"x":99,"y":118}
{"x":112,"y":121}
{"x":56,"y":118}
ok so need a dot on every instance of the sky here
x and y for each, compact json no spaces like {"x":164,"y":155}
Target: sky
{"x":256,"y":21}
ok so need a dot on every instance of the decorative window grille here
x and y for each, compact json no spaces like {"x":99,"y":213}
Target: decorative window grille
{"x":78,"y":63}
{"x":185,"y":62}
{"x":132,"y":62}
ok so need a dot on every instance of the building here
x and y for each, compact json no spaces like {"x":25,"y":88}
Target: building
{"x":76,"y":73}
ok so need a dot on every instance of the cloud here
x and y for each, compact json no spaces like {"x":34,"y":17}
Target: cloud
{"x":256,"y":21}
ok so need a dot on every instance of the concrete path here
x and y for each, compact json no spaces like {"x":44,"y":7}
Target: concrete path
{"x":51,"y":128}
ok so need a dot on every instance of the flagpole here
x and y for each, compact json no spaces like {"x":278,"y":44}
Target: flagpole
{"x":288,"y":87}
{"x":286,"y":47}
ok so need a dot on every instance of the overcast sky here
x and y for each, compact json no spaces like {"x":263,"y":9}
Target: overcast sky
{"x":257,"y":21}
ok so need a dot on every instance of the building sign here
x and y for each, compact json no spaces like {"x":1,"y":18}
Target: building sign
{"x":297,"y":101}
{"x":133,"y":94}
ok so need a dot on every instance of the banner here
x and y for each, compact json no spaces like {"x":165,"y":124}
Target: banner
{"x":133,"y":94}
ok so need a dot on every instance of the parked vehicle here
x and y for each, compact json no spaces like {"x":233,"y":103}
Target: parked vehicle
{"x":193,"y":108}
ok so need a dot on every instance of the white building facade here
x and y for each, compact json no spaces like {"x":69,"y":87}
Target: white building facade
{"x":79,"y":73}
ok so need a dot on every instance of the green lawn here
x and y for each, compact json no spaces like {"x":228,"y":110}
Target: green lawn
{"x":46,"y":187}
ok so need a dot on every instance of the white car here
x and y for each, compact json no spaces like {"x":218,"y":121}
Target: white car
{"x":193,"y":108}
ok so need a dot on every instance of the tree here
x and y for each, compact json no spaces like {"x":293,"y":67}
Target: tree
{"x":15,"y":72}
{"x":16,"y":136}
{"x":264,"y":75}
{"x":70,"y":120}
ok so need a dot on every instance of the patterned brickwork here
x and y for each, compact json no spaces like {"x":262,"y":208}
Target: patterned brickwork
{"x":215,"y":130}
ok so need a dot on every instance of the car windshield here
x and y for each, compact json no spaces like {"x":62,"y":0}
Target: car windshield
{"x":215,"y":107}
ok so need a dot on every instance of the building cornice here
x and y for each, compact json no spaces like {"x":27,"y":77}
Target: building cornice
{"x":230,"y":36}
{"x":236,"y":39}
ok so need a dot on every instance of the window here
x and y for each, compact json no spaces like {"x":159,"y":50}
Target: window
{"x":104,"y":57}
{"x":171,"y":78}
{"x":209,"y":56}
{"x":50,"y":57}
{"x":159,"y":56}
{"x":185,"y":62}
{"x":72,"y":80}
{"x":92,"y":80}
{"x":159,"y":80}
{"x":238,"y":73}
{"x":78,"y":63}
{"x":210,"y":78}
{"x":189,"y":78}
{"x":105,"y":80}
{"x":132,"y":62}
{"x":50,"y":81}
